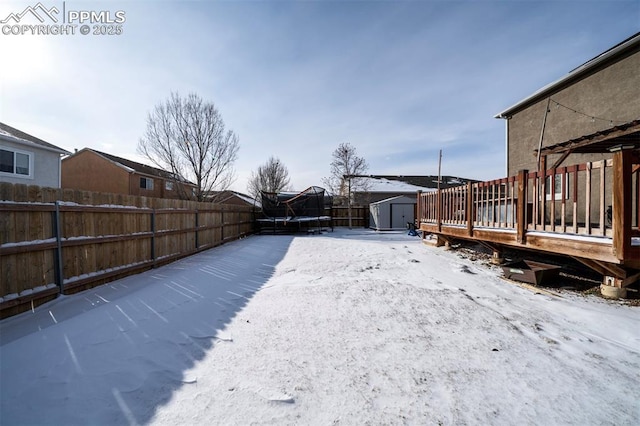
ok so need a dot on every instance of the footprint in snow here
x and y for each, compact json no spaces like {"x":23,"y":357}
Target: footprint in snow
{"x":466,"y":270}
{"x":189,"y":380}
{"x":276,"y":396}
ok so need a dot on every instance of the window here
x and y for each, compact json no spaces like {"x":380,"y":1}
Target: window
{"x":16,"y":162}
{"x":168,"y":185}
{"x":146,"y":183}
{"x":557,"y":188}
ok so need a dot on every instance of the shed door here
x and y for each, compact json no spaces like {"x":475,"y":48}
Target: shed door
{"x":400,"y":215}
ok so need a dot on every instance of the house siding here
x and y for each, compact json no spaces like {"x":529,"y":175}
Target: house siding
{"x":46,"y":166}
{"x":88,"y":171}
{"x":612,"y":92}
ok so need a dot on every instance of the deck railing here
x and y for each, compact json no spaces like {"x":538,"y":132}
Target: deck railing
{"x":582,"y":201}
{"x":595,"y":199}
{"x":494,"y":203}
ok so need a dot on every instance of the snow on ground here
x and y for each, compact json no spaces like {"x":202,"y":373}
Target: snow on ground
{"x":350,"y":327}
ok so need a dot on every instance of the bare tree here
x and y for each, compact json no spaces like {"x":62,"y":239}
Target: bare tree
{"x":187,"y":137}
{"x":272,"y":176}
{"x":347,"y":170}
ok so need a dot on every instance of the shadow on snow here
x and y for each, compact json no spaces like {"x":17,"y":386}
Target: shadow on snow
{"x":113,"y":354}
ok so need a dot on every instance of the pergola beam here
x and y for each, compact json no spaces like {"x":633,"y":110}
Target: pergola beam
{"x":582,"y":144}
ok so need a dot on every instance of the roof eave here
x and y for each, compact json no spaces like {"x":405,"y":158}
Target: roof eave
{"x":21,"y":141}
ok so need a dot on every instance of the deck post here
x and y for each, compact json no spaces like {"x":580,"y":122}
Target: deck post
{"x":439,"y":210}
{"x":542,"y":171}
{"x":418,"y":214}
{"x":469,"y":209}
{"x":621,"y":217}
{"x":521,"y":207}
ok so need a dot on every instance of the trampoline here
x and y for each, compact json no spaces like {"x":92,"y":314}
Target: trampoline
{"x":296,"y":212}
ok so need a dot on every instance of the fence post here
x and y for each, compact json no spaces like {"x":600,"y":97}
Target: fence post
{"x":331,"y":214}
{"x":222,"y":224}
{"x":197,"y":245}
{"x":153,"y":235}
{"x":521,"y":207}
{"x":59,"y":272}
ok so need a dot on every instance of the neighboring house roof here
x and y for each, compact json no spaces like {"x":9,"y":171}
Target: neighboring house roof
{"x":612,"y":54}
{"x":225,"y":196}
{"x":133,"y":166}
{"x":11,"y":134}
{"x":396,"y":184}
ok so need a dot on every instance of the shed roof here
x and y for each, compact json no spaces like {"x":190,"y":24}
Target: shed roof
{"x":412,"y":200}
{"x":12,"y":134}
{"x":611,"y":55}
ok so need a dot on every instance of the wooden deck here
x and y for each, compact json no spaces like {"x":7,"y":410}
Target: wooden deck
{"x":590,"y":212}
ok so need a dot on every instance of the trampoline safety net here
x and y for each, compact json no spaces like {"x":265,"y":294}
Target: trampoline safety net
{"x":309,"y":203}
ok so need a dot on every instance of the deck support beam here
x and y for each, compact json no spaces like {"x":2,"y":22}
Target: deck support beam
{"x":496,"y":252}
{"x":615,"y":278}
{"x":444,"y":241}
{"x":521,"y":221}
{"x":439,"y":241}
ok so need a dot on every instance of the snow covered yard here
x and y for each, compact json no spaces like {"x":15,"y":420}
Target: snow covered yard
{"x":350,"y":327}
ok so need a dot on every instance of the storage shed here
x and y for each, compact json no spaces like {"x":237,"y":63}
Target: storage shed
{"x":392,"y":213}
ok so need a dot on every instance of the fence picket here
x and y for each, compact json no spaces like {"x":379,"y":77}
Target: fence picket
{"x":58,"y":236}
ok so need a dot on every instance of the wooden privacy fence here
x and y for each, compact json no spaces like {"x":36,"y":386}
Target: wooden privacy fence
{"x":359,"y":216}
{"x":61,"y":241}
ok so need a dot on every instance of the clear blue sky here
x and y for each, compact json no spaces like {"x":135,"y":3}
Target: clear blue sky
{"x":398,"y":80}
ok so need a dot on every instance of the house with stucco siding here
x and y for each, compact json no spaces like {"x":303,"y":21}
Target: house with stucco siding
{"x":598,"y":95}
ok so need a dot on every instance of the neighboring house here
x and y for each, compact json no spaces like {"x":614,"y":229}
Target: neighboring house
{"x":381,"y":187}
{"x":600,"y":94}
{"x":231,"y":197}
{"x":27,"y":159}
{"x":92,"y":170}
